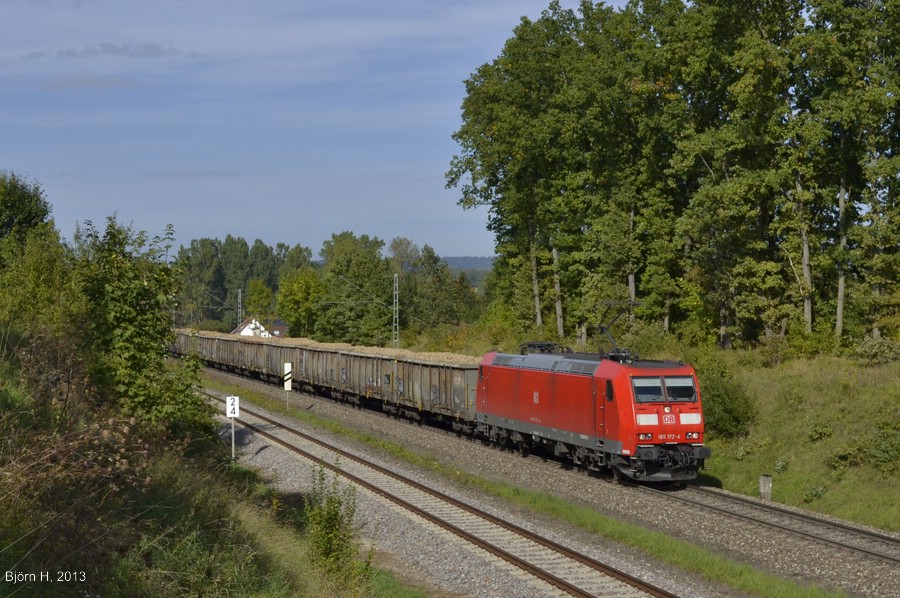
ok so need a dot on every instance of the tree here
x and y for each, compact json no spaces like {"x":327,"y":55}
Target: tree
{"x":508,"y":140}
{"x":22,"y":206}
{"x":259,"y":300}
{"x":131,"y":297}
{"x":290,"y":259}
{"x":356,"y":308}
{"x":878,"y":232}
{"x":299,"y":300}
{"x":731,"y":167}
{"x":235,"y":256}
{"x":38,"y":294}
{"x":203,"y":292}
{"x":435,"y":301}
{"x":262,"y":264}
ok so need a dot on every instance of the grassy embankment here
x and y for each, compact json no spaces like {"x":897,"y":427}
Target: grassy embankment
{"x":119,"y":508}
{"x":812,"y":414}
{"x":828,"y":432}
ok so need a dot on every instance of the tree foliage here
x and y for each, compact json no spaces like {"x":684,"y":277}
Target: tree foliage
{"x":130,"y":293}
{"x":730,"y":167}
{"x":299,"y":296}
{"x":22,"y":206}
{"x":356,"y":307}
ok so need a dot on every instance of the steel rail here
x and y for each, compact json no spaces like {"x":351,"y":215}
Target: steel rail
{"x":553,"y":580}
{"x":892,"y":543}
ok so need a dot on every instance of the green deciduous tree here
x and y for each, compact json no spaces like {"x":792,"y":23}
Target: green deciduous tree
{"x":290,"y":259}
{"x":357,"y":279}
{"x":235,"y":257}
{"x":22,"y":205}
{"x":131,"y":297}
{"x":203,"y":294}
{"x":259,"y":301}
{"x":299,"y":300}
{"x":263,"y":264}
{"x":38,"y":293}
{"x":512,"y":157}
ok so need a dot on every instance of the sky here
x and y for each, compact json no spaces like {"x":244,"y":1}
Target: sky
{"x":281,"y":120}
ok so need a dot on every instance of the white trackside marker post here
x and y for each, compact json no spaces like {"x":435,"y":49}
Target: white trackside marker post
{"x":232,"y":410}
{"x":288,"y":367}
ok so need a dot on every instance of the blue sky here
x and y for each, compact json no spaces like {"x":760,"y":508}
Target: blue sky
{"x":283,"y":120}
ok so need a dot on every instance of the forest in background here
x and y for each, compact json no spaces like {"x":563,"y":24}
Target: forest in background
{"x":730,"y":166}
{"x":346,"y":295}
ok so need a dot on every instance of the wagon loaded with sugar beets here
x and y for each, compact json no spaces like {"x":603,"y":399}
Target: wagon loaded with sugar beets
{"x":641,"y":419}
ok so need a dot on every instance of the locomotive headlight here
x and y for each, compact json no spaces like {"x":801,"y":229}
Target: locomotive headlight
{"x":693,"y":435}
{"x":667,"y":409}
{"x":645,"y":436}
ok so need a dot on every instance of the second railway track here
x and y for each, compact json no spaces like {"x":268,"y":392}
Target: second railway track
{"x":566,"y":570}
{"x":835,"y":535}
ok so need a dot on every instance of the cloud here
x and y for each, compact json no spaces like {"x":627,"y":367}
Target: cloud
{"x":188,"y":174}
{"x":144,"y":51}
{"x":92,"y":82}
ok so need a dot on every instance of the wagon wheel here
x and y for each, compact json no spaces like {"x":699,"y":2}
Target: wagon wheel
{"x":617,"y":475}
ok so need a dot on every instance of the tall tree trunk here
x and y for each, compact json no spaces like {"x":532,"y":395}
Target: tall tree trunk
{"x":807,"y":281}
{"x":805,"y":267}
{"x":666,"y":322}
{"x":724,"y":335}
{"x":842,"y":277}
{"x":535,"y":288}
{"x":632,"y":285}
{"x":560,"y":329}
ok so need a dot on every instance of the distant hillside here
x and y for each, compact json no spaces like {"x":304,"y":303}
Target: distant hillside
{"x":469,"y":263}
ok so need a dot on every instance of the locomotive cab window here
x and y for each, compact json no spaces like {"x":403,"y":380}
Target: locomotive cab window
{"x":609,"y":390}
{"x":648,"y":389}
{"x":680,"y":388}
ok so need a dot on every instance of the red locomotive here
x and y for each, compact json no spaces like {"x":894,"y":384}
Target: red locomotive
{"x":642,"y":419}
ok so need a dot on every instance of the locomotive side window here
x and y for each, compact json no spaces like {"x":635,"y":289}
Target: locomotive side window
{"x":681,"y":388}
{"x":609,"y":391}
{"x":648,"y":389}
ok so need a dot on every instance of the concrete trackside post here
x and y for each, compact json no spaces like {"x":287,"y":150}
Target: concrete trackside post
{"x":765,"y":487}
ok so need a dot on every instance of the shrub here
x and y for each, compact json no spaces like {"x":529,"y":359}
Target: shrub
{"x":877,"y":351}
{"x":727,"y":408}
{"x":330,"y":530}
{"x":820,"y":431}
{"x":879,"y":449}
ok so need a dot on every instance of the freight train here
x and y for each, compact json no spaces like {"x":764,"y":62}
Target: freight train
{"x":640,"y":419}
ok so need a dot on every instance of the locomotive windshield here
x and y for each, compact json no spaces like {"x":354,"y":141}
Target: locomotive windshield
{"x":659,"y":389}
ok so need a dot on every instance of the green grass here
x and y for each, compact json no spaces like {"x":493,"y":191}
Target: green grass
{"x":285,"y":547}
{"x":677,"y":552}
{"x":828,"y":432}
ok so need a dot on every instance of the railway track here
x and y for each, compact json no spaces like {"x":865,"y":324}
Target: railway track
{"x":835,"y":535}
{"x":562,"y":568}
